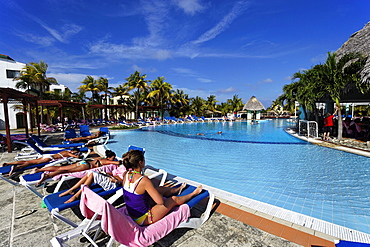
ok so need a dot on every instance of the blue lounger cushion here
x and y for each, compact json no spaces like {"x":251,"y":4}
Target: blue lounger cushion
{"x":343,"y":243}
{"x":193,"y":201}
{"x":6,"y":169}
{"x":53,"y":201}
{"x":43,"y":144}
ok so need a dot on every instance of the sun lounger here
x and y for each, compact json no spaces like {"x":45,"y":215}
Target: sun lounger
{"x":39,"y":151}
{"x":70,"y":133}
{"x":55,"y":204}
{"x":84,"y":130}
{"x":44,"y":146}
{"x":30,"y":180}
{"x":105,"y":130}
{"x":4,"y":171}
{"x":120,"y":226}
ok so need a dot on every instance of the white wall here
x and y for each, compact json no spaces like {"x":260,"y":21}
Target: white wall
{"x":8,"y":64}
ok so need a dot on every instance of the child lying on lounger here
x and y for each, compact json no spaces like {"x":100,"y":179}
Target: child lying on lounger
{"x":43,"y":159}
{"x":77,"y":167}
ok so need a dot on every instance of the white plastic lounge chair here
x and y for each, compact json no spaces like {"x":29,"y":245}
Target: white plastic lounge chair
{"x":39,"y":151}
{"x":4,"y":171}
{"x":55,"y":204}
{"x":44,"y":146}
{"x":31,"y":180}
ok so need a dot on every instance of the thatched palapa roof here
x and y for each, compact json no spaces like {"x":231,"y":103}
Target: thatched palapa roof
{"x":253,"y":105}
{"x":358,"y":42}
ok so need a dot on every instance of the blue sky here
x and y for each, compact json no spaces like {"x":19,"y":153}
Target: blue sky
{"x":204,"y":47}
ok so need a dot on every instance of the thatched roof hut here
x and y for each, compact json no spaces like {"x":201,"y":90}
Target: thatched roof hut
{"x":253,"y":105}
{"x":358,"y":42}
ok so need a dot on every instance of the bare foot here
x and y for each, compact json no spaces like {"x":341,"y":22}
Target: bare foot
{"x":68,"y":192}
{"x":44,"y":176}
{"x":179,"y":189}
{"x":35,"y":170}
{"x":72,"y":199}
{"x":197,"y":190}
{"x":12,"y":169}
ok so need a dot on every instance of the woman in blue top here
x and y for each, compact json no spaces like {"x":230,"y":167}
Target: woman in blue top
{"x":144,"y":203}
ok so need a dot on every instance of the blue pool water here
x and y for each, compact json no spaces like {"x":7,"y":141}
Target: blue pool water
{"x":261,"y":162}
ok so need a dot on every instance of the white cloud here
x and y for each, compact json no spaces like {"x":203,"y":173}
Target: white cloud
{"x":189,"y":6}
{"x":268,"y":80}
{"x":137,"y":68}
{"x":73,"y":80}
{"x":185,"y":72}
{"x":227,"y":90}
{"x":162,"y":54}
{"x":189,"y":73}
{"x":44,"y":41}
{"x":237,"y":9}
{"x":321,"y":58}
{"x":204,"y":80}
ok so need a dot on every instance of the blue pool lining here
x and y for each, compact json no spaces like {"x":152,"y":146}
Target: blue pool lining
{"x":171,"y":133}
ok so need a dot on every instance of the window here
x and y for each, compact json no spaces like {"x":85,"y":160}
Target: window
{"x":12,"y":73}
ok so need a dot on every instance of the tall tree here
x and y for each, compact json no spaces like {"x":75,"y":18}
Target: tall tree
{"x":342,"y":75}
{"x":80,"y":96}
{"x":103,"y":85}
{"x":236,"y":103}
{"x":197,"y":105}
{"x":91,"y":85}
{"x":138,"y":82}
{"x":40,"y":77}
{"x":161,"y":91}
{"x":34,"y":75}
{"x":211,"y":103}
{"x":179,"y":103}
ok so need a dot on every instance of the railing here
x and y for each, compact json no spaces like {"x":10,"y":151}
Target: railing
{"x":308,"y":128}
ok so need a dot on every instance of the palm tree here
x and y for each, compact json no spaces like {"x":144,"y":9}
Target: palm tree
{"x":121,"y":91}
{"x":308,"y":90}
{"x":57,"y":95}
{"x":103,"y":85}
{"x":342,"y":75}
{"x":79,"y":97}
{"x":197,"y":105}
{"x":179,"y":103}
{"x":25,"y":81}
{"x":39,"y":76}
{"x":91,"y":85}
{"x":136,"y":80}
{"x":236,"y":103}
{"x":224,"y":108}
{"x":34,"y":75}
{"x":161,"y":91}
{"x":211,"y":103}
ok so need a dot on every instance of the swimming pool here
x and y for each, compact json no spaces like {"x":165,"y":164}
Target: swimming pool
{"x":263,"y":163}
